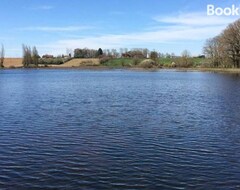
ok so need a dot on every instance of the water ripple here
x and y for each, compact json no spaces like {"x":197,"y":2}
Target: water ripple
{"x":118,"y":130}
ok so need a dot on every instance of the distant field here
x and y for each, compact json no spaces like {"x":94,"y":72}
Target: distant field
{"x":12,"y":62}
{"x":17,"y":62}
{"x":79,"y":62}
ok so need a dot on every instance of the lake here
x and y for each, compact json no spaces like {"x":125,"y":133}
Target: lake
{"x":116,"y":129}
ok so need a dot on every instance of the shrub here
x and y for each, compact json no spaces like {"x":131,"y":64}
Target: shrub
{"x":52,"y":61}
{"x":183,"y":62}
{"x":154,"y":56}
{"x":104,"y":60}
{"x":127,"y":64}
{"x":147,"y":63}
{"x":88,"y":63}
{"x":57,"y":61}
{"x":122,"y":62}
{"x":136,"y":61}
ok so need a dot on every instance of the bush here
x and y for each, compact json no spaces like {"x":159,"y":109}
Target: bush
{"x":104,"y":60}
{"x":53,"y":61}
{"x":122,"y":62}
{"x":88,"y":63}
{"x":183,"y":62}
{"x":154,"y":56}
{"x":57,"y":61}
{"x":206,"y":65}
{"x":147,"y":63}
{"x":127,"y":64}
{"x":136,"y":61}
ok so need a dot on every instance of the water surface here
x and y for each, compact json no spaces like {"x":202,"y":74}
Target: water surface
{"x":73,"y":129}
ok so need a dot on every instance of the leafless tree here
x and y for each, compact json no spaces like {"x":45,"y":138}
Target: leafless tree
{"x":35,"y":56}
{"x":69,"y":52}
{"x":213,"y":49}
{"x":2,"y":55}
{"x":154,"y":56}
{"x":185,"y":60}
{"x":224,"y":49}
{"x":146,"y":52}
{"x":30,"y":56}
{"x":231,"y":42}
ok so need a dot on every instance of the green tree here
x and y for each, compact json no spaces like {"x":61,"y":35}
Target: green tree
{"x":99,"y":52}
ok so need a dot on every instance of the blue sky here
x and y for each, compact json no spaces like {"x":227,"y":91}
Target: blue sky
{"x":53,"y":26}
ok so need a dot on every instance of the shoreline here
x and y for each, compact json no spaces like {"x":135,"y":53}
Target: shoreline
{"x":94,"y":64}
{"x":212,"y":70}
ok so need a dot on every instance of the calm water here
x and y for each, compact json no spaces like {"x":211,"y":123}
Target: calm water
{"x":72,"y":129}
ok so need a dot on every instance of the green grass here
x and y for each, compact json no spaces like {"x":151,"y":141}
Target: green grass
{"x":196,"y":61}
{"x":119,"y":62}
{"x":166,"y":62}
{"x":199,"y":61}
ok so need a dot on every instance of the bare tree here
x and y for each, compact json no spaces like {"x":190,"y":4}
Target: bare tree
{"x":154,"y":56}
{"x":213,"y":49}
{"x":231,"y":42}
{"x":224,"y":49}
{"x":185,"y":60}
{"x":114,"y":53}
{"x":2,"y":55}
{"x":146,"y":52}
{"x":186,"y":54}
{"x":35,"y":56}
{"x":69,"y":52}
{"x":27,"y":58}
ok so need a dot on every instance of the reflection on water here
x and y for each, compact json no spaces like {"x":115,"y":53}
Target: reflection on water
{"x":70,"y":129}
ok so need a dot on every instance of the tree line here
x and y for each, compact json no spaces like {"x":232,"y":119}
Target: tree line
{"x":87,"y":53}
{"x":224,"y":50}
{"x":31,"y":57}
{"x":121,"y":53}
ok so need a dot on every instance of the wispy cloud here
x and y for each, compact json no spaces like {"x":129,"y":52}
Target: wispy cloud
{"x":143,"y":39}
{"x":194,"y":19}
{"x":170,"y":34}
{"x":182,"y":28}
{"x":56,"y":29}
